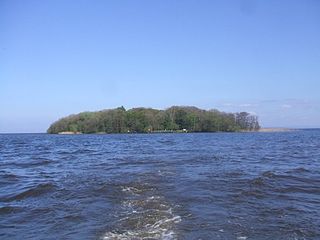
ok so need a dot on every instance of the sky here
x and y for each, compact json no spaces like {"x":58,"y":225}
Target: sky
{"x":61,"y":57}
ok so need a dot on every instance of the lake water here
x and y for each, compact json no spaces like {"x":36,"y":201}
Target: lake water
{"x":160,"y":186}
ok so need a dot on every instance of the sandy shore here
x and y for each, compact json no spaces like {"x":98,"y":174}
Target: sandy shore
{"x":276,"y":130}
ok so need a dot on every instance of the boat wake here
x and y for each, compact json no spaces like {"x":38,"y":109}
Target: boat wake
{"x":144,"y":215}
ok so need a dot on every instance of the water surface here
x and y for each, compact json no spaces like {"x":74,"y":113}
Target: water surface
{"x":160,"y":186}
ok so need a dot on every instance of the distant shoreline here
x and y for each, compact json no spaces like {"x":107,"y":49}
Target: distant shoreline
{"x":262,"y":130}
{"x":266,"y":130}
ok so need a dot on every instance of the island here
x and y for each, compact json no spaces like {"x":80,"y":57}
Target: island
{"x":149,"y":120}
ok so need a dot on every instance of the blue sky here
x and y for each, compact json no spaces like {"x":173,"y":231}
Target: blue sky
{"x":63,"y":57}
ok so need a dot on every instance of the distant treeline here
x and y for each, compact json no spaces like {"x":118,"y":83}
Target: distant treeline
{"x":143,"y":120}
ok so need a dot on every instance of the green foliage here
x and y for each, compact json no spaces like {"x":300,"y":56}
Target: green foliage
{"x":142,"y":120}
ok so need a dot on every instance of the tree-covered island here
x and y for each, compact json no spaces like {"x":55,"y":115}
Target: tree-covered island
{"x":146,"y":120}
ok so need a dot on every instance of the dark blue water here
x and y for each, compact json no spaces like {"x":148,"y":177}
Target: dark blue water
{"x":160,"y":186}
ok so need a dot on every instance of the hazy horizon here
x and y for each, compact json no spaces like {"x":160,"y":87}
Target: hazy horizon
{"x":59,"y":58}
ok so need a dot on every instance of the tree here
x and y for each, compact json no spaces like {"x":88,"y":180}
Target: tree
{"x":142,"y":120}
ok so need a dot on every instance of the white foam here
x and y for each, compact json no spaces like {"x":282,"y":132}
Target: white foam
{"x":134,"y":235}
{"x":159,"y":230}
{"x":131,"y":190}
{"x":242,"y":238}
{"x":155,"y":216}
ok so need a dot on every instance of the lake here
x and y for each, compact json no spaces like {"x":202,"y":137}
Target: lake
{"x":160,"y":186}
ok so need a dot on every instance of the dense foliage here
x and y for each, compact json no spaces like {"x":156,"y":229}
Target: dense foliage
{"x":142,"y":120}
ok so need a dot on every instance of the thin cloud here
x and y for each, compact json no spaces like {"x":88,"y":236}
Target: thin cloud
{"x":286,"y":106}
{"x":248,"y":105}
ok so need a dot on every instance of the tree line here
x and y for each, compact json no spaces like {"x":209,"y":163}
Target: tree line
{"x":143,"y":120}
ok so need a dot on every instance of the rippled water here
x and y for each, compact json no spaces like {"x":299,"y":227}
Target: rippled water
{"x":160,"y":186}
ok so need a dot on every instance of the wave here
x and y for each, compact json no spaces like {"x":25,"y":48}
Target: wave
{"x":298,"y":170}
{"x":158,"y":230}
{"x":9,"y":176}
{"x":29,"y":163}
{"x":76,"y":151}
{"x":32,"y":192}
{"x":9,"y":209}
{"x":280,"y":185}
{"x":144,"y":215}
